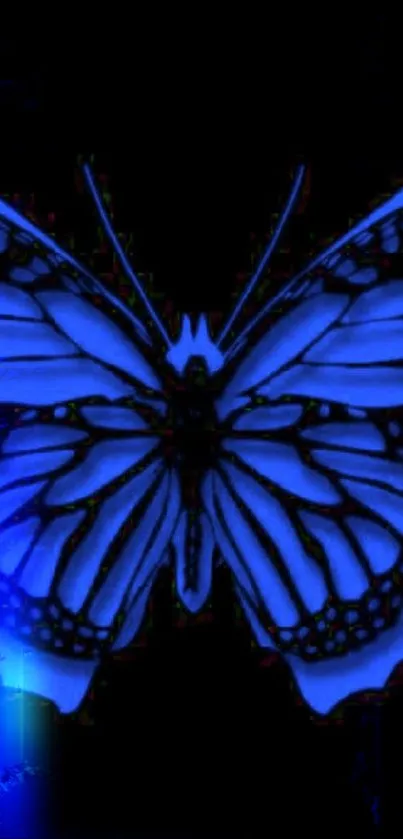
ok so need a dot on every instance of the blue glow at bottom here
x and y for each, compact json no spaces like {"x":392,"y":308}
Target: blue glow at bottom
{"x":25,"y":674}
{"x":23,"y":765}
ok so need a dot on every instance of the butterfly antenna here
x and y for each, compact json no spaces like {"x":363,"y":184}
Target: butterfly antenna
{"x":89,"y":179}
{"x":267,"y":253}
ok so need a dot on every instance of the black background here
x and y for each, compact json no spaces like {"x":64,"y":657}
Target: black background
{"x":199,"y":125}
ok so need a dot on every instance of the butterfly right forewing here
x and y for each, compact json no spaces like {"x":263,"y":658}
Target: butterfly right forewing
{"x":307,"y":498}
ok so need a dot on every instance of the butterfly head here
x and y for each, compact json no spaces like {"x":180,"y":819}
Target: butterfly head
{"x":195,"y":343}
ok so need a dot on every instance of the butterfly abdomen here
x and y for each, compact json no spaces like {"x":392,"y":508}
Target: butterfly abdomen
{"x":193,"y":544}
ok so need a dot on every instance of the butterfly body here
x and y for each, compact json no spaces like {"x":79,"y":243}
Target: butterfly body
{"x":280,"y":455}
{"x":193,"y":430}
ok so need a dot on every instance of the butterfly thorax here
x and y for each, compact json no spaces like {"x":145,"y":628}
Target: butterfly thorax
{"x":192,"y":436}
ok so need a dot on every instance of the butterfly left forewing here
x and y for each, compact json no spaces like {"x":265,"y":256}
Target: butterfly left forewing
{"x":87,"y":503}
{"x":307,"y":500}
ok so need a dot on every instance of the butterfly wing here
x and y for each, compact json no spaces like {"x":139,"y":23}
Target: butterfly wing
{"x":307,"y":499}
{"x":87,"y":506}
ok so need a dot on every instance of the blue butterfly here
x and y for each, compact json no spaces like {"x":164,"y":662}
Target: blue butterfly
{"x":278,"y":449}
